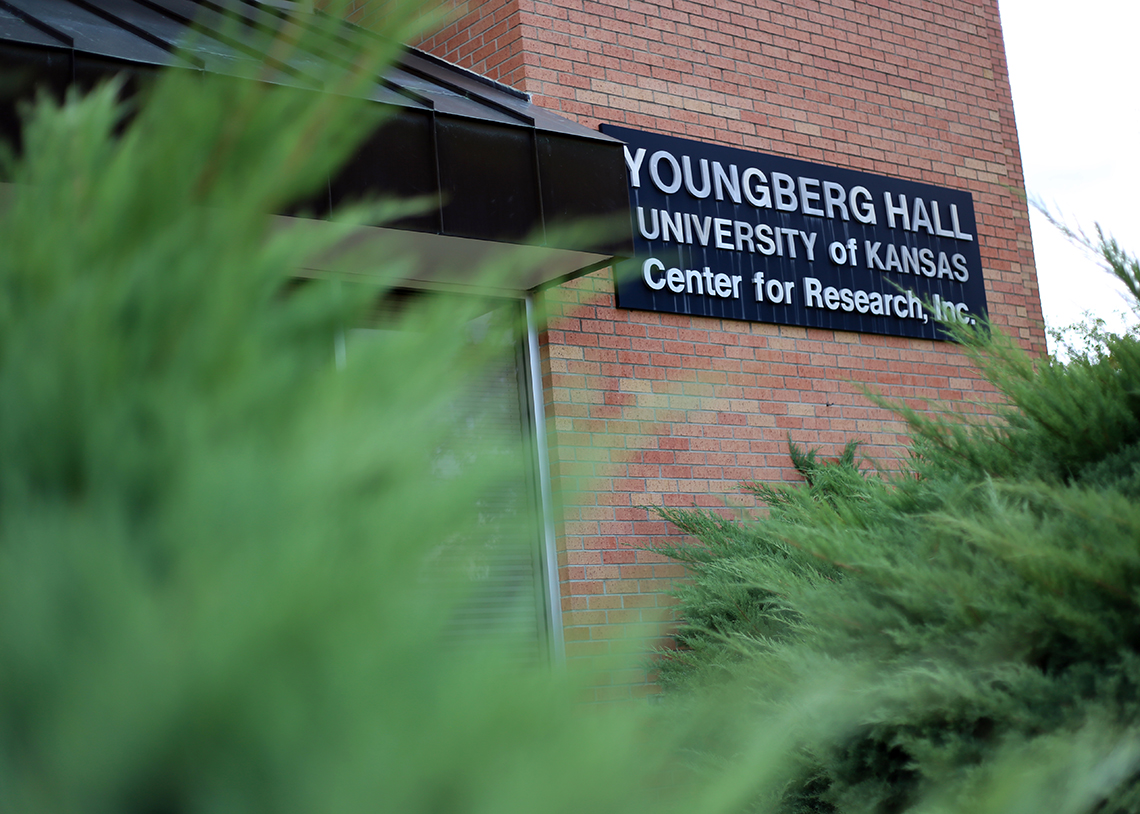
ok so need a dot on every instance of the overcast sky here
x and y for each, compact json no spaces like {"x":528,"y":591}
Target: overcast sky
{"x":1075,"y":71}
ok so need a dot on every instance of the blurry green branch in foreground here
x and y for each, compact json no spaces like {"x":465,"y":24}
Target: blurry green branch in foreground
{"x":220,"y":555}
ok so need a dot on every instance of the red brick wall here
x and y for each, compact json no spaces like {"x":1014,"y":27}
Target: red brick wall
{"x":484,"y":36}
{"x":651,"y":409}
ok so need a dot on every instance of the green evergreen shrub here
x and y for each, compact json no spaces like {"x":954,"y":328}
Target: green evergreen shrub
{"x":229,"y":566}
{"x":981,"y":601}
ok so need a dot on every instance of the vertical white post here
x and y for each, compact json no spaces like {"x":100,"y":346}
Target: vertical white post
{"x":546,"y":497}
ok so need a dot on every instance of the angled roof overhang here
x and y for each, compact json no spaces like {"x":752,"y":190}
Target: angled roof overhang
{"x":500,"y":169}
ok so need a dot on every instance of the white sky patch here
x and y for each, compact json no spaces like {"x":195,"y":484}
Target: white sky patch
{"x":1075,"y":72}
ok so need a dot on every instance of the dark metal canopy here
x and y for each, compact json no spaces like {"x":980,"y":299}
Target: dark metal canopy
{"x":502,"y":169}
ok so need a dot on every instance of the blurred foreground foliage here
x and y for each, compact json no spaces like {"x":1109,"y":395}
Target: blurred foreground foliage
{"x":229,"y":566}
{"x":983,"y":602}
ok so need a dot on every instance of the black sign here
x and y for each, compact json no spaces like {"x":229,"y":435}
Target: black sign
{"x":723,"y":232}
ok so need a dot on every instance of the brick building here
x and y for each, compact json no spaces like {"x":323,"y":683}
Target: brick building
{"x":851,"y":108}
{"x":645,"y":408}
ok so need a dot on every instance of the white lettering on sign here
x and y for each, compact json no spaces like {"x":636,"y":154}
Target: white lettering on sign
{"x":777,"y":292}
{"x":633,"y":163}
{"x":733,"y":234}
{"x":706,"y":185}
{"x":952,"y":311}
{"x":703,"y":282}
{"x":862,"y":207}
{"x":755,"y":187}
{"x":915,"y":217}
{"x":814,"y":197}
{"x":809,"y":196}
{"x":674,"y":170}
{"x":904,"y":305}
{"x":772,"y":291}
{"x":915,"y":260}
{"x":687,"y":228}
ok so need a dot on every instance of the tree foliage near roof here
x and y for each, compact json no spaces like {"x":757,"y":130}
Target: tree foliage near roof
{"x":223,"y":557}
{"x":984,"y":601}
